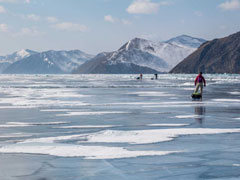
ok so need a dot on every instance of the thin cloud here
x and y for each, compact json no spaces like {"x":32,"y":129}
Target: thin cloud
{"x":182,"y":21}
{"x":68,"y":26}
{"x":15,"y":1}
{"x":145,"y":7}
{"x":2,"y":9}
{"x":3,"y":28}
{"x":126,"y":22}
{"x":198,"y":13}
{"x":32,"y":31}
{"x":33,"y":17}
{"x":52,"y":19}
{"x":109,"y":18}
{"x":230,"y":5}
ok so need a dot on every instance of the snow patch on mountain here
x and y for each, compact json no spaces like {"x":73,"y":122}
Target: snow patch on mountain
{"x":22,"y":53}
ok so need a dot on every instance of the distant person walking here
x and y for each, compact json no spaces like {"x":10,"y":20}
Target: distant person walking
{"x":199,"y":82}
{"x":156,"y":76}
{"x":140,"y":77}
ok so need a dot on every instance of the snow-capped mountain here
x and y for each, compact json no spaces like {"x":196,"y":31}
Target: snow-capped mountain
{"x":6,"y":61}
{"x":49,"y":62}
{"x":102,"y":65}
{"x":157,"y":56}
{"x":17,"y":56}
{"x":186,"y":41}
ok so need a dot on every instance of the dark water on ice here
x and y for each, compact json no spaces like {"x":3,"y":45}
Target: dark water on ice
{"x":71,"y":127}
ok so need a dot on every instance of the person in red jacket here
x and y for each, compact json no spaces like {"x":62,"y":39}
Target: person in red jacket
{"x":199,"y":82}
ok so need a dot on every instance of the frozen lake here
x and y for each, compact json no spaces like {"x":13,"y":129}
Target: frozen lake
{"x":71,"y":127}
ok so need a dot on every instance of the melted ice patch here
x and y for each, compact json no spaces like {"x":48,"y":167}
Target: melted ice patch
{"x":88,"y":152}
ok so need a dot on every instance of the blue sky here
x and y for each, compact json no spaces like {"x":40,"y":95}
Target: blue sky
{"x":94,"y":26}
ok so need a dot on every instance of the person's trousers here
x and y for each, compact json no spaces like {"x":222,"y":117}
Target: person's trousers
{"x":199,"y":85}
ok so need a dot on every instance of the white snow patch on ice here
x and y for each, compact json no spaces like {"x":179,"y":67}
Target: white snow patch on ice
{"x":88,"y":126}
{"x":170,"y":125}
{"x":88,"y":152}
{"x":152,"y":93}
{"x":91,"y":113}
{"x":235,"y":93}
{"x":132,"y":137}
{"x":186,"y":116}
{"x":151,"y":136}
{"x":14,"y":135}
{"x":55,"y":110}
{"x":24,"y":124}
{"x":226,"y":100}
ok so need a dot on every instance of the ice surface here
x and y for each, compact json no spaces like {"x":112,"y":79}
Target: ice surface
{"x":129,"y":129}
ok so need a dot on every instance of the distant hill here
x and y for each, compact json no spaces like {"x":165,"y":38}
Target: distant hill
{"x":216,"y":56}
{"x":6,"y":61}
{"x":142,"y":56}
{"x":49,"y":62}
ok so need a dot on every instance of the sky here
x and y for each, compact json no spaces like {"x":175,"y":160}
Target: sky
{"x":95,"y":26}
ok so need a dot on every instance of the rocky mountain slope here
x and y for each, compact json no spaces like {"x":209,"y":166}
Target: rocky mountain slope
{"x":216,"y":56}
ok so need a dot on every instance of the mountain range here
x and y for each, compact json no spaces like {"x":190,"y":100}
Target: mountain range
{"x":135,"y":56}
{"x":48,"y":62}
{"x":142,"y":56}
{"x":216,"y":56}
